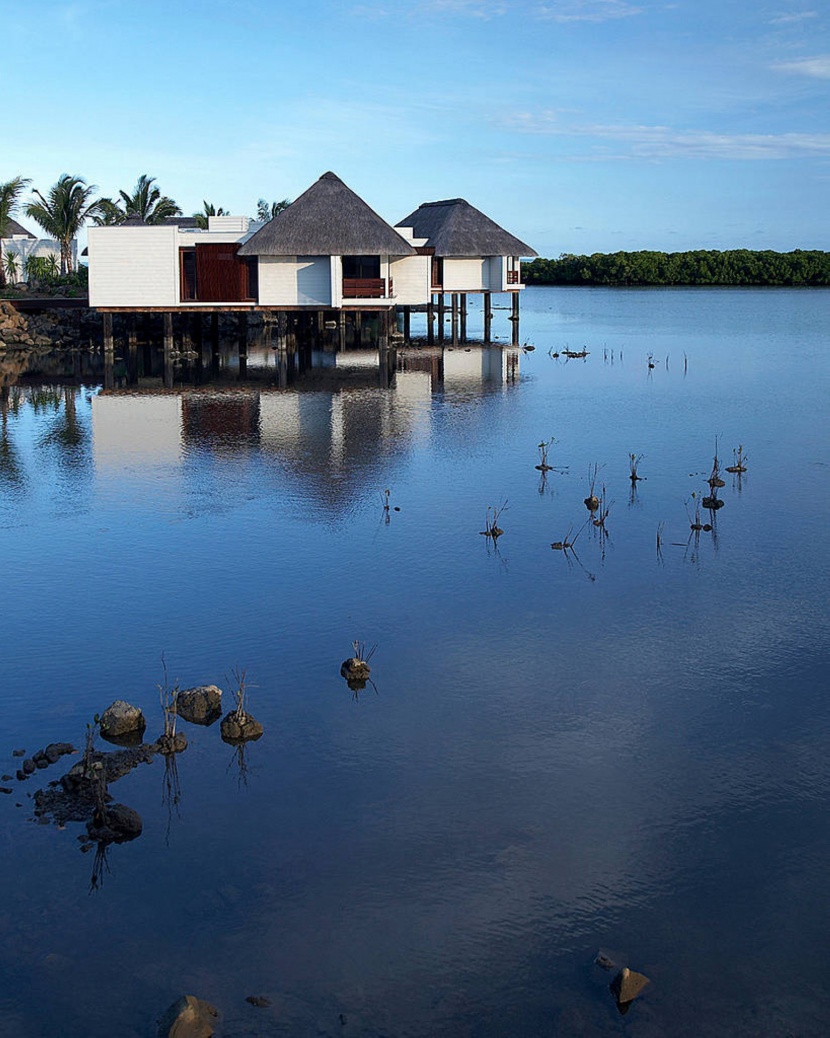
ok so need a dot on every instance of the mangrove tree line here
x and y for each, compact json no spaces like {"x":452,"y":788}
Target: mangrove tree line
{"x":700,"y":267}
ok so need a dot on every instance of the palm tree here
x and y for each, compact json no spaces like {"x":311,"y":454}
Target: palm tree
{"x":108,"y":214}
{"x":266,"y":212}
{"x":209,"y":210}
{"x":148,"y":202}
{"x":10,"y":193}
{"x":63,"y":211}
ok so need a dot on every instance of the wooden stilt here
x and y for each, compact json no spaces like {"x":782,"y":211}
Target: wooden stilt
{"x":514,"y":318}
{"x":106,"y":326}
{"x":407,"y":313}
{"x":342,"y":329}
{"x":441,"y":309}
{"x":242,"y":338}
{"x":462,"y":314}
{"x":430,"y":321}
{"x":168,"y":350}
{"x":488,"y":317}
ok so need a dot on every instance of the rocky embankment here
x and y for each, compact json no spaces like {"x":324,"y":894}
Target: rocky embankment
{"x":47,"y":328}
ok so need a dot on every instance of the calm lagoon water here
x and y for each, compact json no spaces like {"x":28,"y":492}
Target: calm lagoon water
{"x":614,"y":748}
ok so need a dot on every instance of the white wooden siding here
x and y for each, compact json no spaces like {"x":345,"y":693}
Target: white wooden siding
{"x":295,"y":281}
{"x":466,"y":275}
{"x":133,"y":266}
{"x":411,"y":279}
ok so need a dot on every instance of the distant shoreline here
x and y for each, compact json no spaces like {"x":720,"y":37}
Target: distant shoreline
{"x":731,"y":268}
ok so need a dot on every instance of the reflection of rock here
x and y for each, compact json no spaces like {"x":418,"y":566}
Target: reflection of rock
{"x":238,"y":727}
{"x":189,"y":1017}
{"x":627,"y":985}
{"x":200,"y":705}
{"x":712,"y":502}
{"x":119,"y":824}
{"x":121,"y":720}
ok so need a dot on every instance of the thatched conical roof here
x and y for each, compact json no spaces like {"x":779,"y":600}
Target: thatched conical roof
{"x":328,"y":219}
{"x":453,"y":227}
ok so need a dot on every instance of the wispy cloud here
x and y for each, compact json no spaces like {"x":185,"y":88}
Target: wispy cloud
{"x":588,"y":10}
{"x":794,"y":17}
{"x":660,"y":142}
{"x":817,"y":67}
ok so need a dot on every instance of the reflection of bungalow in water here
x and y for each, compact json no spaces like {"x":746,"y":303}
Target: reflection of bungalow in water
{"x":327,"y":251}
{"x":22,"y":244}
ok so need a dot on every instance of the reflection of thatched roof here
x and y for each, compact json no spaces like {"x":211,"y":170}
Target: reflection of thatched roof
{"x":328,"y":219}
{"x":14,"y":228}
{"x":456,"y":228}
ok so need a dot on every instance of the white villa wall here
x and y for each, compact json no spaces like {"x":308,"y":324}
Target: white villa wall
{"x":133,"y":266}
{"x":411,"y":277}
{"x":295,"y":281}
{"x":498,"y":273}
{"x":23,"y":248}
{"x":466,"y":275}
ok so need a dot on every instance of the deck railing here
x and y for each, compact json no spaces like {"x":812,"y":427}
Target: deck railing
{"x":366,"y":288}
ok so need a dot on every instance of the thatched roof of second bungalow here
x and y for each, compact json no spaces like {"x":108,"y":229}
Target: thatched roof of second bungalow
{"x":14,"y":229}
{"x":328,"y":219}
{"x":453,"y":227}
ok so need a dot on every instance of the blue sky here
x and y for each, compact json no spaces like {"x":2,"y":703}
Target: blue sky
{"x":580,"y":125}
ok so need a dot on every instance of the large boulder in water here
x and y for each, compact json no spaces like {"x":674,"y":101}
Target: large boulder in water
{"x":200,"y":705}
{"x":119,"y":824}
{"x":121,"y":721}
{"x":188,"y":1017}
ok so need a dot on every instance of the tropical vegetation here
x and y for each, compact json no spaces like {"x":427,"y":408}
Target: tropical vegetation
{"x":62,"y":212}
{"x":699,"y":267}
{"x":10,"y":193}
{"x":208,"y":211}
{"x":266,"y":211}
{"x":147,"y":202}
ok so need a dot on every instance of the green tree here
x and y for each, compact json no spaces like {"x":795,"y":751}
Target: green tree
{"x":266,"y":212}
{"x":148,"y":202}
{"x":63,"y":211}
{"x":10,"y":193}
{"x":108,"y":213}
{"x":209,"y":210}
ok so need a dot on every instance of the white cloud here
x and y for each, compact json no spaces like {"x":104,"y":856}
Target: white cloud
{"x":659,"y":142}
{"x":588,"y":10}
{"x":818,"y":67}
{"x":790,"y":19}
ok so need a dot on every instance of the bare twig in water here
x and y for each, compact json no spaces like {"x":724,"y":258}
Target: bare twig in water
{"x":633,"y":461}
{"x":543,"y":448}
{"x":714,"y":479}
{"x":740,"y":460}
{"x":491,"y":521}
{"x":592,"y":501}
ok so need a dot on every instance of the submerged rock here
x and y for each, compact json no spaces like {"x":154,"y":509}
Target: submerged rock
{"x":122,"y":720}
{"x":170,"y":743}
{"x":260,"y":1001}
{"x":200,"y":705}
{"x":238,"y":727}
{"x":188,"y":1017}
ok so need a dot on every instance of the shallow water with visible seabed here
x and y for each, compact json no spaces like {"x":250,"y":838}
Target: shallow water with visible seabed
{"x":614,"y":747}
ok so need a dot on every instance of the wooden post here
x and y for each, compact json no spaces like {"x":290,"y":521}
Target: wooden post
{"x":341,"y":321}
{"x":454,"y":317}
{"x":463,"y":315}
{"x":514,"y":318}
{"x":242,"y":337}
{"x":168,"y":350}
{"x":383,"y":330}
{"x":106,"y":326}
{"x":407,"y":313}
{"x":488,"y":317}
{"x":441,"y":309}
{"x":430,"y":321}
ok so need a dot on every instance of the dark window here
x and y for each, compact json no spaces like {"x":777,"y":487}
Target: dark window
{"x":253,"y":277}
{"x":187,"y":269}
{"x":361,"y":267}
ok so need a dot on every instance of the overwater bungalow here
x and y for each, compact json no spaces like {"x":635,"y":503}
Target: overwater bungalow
{"x":328,"y":251}
{"x":23,"y":245}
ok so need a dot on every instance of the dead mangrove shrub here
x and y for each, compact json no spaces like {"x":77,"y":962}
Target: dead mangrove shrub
{"x":238,"y":725}
{"x":633,"y":462}
{"x":739,"y":464}
{"x":356,"y":669}
{"x":491,"y":521}
{"x":592,"y":501}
